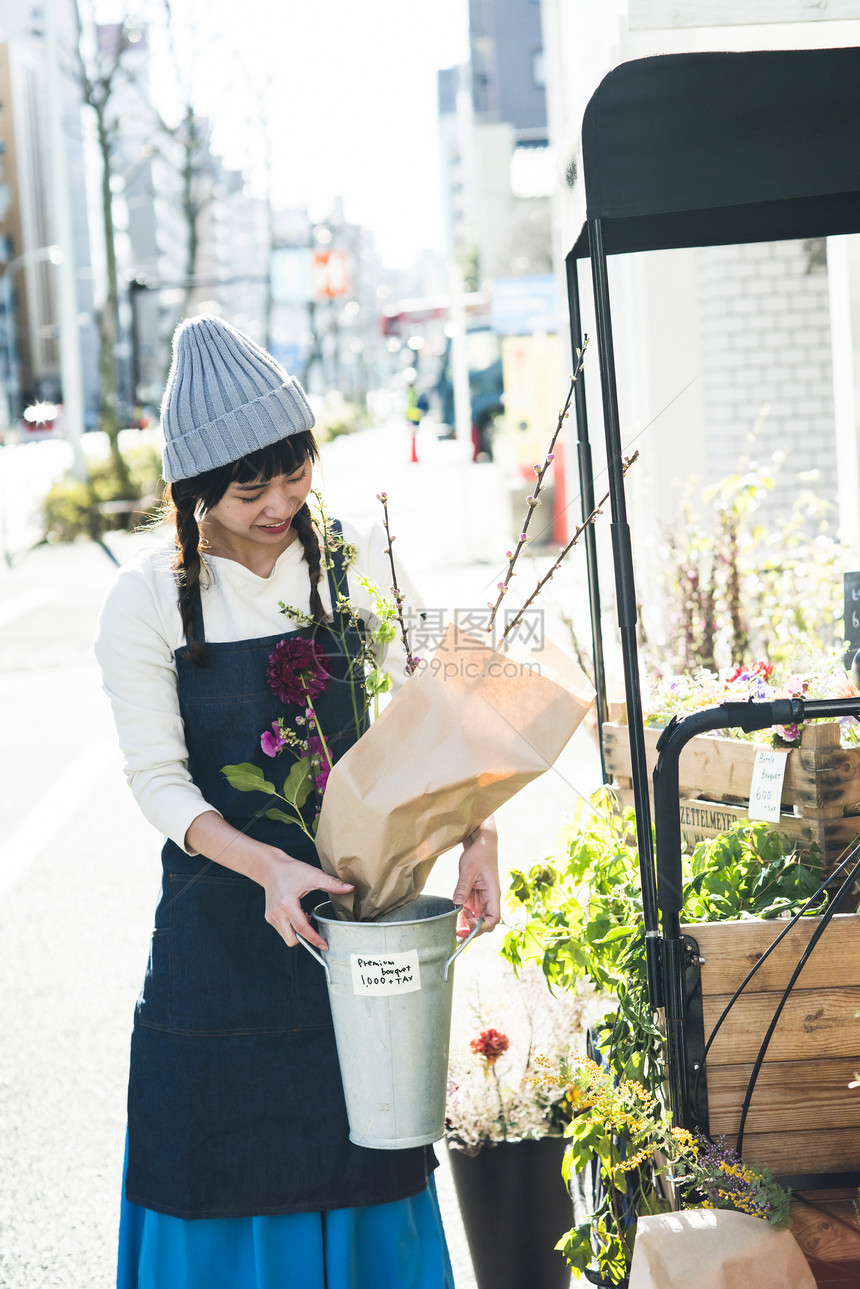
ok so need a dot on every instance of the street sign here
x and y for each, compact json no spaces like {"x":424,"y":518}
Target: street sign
{"x":523,"y":306}
{"x":291,"y":354}
{"x":328,"y":274}
{"x":291,"y":274}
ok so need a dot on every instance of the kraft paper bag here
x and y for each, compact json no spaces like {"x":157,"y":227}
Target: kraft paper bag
{"x":463,"y":735}
{"x":716,"y":1249}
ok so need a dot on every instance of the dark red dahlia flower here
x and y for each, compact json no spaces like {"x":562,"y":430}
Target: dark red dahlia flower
{"x":297,"y":671}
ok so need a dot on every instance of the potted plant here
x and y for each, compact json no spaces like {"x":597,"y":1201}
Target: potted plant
{"x":622,"y":1124}
{"x":505,"y":1129}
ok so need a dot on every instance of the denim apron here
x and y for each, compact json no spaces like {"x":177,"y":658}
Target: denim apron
{"x":235,"y":1105}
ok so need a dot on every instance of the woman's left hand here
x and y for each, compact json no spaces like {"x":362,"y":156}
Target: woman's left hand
{"x":478,"y":888}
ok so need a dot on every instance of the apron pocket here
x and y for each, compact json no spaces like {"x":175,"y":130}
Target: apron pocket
{"x":231,"y":973}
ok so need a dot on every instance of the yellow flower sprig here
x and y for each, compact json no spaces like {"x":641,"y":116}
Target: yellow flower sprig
{"x":633,"y":1128}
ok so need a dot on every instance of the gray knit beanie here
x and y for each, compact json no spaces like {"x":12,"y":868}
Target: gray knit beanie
{"x":225,"y":397}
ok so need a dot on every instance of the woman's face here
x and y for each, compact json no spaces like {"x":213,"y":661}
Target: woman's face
{"x":258,"y":514}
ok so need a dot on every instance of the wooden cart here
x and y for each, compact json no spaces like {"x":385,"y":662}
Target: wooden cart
{"x":820,"y":794}
{"x":700,"y":150}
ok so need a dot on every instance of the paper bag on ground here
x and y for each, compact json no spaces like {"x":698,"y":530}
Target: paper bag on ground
{"x":466,"y":732}
{"x":716,"y":1249}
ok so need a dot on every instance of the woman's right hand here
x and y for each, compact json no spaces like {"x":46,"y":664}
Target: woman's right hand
{"x":286,"y":882}
{"x":284,"y":879}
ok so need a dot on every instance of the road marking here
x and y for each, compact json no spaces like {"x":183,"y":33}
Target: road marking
{"x":17,"y":606}
{"x":42,"y":826}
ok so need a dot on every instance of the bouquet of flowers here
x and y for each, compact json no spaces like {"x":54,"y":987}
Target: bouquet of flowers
{"x":298,"y":672}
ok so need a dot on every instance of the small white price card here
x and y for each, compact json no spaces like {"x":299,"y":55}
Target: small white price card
{"x":766,"y":787}
{"x":391,"y":973}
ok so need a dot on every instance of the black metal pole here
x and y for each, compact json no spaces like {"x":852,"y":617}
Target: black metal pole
{"x":586,"y":495}
{"x":670,"y":893}
{"x":625,"y":594}
{"x":135,"y":286}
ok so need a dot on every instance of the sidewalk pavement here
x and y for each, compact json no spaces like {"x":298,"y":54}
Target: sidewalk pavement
{"x":79,"y":871}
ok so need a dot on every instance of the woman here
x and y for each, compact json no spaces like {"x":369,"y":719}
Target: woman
{"x":239,"y":1167}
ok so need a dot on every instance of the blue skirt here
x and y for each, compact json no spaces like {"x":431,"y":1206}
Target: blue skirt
{"x":385,"y":1246}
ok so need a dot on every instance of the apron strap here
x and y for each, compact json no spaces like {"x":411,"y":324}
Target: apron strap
{"x":197,"y":615}
{"x":337,"y":585}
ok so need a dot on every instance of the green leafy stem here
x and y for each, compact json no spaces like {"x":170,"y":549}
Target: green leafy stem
{"x":297,"y":789}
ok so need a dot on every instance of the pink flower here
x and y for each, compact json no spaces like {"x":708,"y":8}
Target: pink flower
{"x":272,"y":742}
{"x":297,"y":670}
{"x":319,"y":762}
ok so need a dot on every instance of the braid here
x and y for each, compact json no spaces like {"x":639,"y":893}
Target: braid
{"x":313,"y":558}
{"x":187,"y":565}
{"x":186,"y":499}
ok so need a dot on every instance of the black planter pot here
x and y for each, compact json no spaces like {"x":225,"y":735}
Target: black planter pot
{"x":515,"y":1208}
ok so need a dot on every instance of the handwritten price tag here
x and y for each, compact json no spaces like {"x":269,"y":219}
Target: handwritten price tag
{"x":395,"y":973}
{"x":766,"y":787}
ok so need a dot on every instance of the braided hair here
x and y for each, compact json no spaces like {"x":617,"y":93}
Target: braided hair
{"x":187,"y":501}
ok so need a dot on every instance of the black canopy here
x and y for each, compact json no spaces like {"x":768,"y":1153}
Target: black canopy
{"x":719,"y":148}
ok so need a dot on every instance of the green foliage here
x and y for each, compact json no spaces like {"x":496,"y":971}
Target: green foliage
{"x":336,"y":417}
{"x":69,"y":511}
{"x":298,"y":783}
{"x":467,"y":256}
{"x":747,"y":873}
{"x":582,"y":922}
{"x":72,"y":508}
{"x":247,"y":778}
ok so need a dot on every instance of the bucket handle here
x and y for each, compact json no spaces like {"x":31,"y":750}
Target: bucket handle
{"x":315,"y":953}
{"x":461,"y":946}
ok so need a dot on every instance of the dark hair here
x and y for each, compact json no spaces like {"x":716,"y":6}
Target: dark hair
{"x":188,"y":500}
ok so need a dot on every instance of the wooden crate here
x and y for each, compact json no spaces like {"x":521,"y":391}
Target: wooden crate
{"x":803,"y":1117}
{"x":820,"y":796}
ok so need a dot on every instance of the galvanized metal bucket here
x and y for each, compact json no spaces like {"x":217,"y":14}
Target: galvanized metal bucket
{"x":390,"y":985}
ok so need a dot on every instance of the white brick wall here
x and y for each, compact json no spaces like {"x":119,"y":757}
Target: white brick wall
{"x":765,"y":330}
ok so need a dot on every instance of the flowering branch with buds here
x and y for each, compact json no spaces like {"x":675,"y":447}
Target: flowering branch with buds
{"x":534,"y":501}
{"x":411,"y":661}
{"x":598,"y":509}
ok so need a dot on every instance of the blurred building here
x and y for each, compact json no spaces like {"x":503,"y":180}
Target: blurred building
{"x":497,"y":181}
{"x":30,"y":362}
{"x":235,"y":237}
{"x":497,"y":171}
{"x":190,"y":238}
{"x":229,"y":260}
{"x":725,"y":355}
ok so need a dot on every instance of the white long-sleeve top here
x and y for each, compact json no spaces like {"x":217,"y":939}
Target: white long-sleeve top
{"x":140,"y":628}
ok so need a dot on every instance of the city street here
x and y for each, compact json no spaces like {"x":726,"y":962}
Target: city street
{"x":79,"y":868}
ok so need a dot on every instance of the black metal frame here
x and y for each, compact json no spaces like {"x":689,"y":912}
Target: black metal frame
{"x":795,"y":185}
